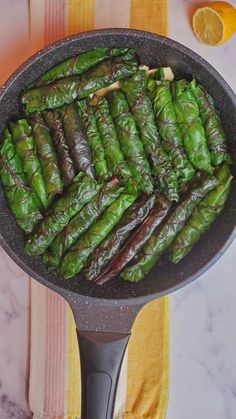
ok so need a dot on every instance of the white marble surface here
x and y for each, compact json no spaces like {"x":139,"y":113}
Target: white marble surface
{"x":203,"y":315}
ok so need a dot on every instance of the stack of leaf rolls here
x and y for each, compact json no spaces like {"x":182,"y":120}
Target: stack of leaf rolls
{"x":112,"y":164}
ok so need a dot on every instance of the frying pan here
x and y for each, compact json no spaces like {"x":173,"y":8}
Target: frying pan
{"x":104,"y":315}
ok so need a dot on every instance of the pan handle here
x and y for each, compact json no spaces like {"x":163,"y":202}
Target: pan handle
{"x":101,"y":355}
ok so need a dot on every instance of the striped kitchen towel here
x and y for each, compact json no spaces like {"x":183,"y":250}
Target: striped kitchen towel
{"x":54,"y":382}
{"x":54,"y":391}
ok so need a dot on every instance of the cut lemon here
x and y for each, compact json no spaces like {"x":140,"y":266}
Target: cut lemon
{"x":215,"y":23}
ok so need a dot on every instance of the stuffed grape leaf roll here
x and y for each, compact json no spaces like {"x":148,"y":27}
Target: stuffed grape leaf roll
{"x":188,"y":118}
{"x":81,"y":63}
{"x":87,"y":116}
{"x":65,"y":163}
{"x":215,"y":134}
{"x":130,"y":142}
{"x":26,"y":150}
{"x":66,"y":90}
{"x":76,"y":139}
{"x":203,"y":216}
{"x":47,"y":156}
{"x":114,"y":156}
{"x":19,"y":195}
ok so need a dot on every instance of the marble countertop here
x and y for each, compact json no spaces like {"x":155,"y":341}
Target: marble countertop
{"x":203,"y":315}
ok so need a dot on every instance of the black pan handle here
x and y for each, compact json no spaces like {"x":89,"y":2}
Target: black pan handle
{"x":101,"y":355}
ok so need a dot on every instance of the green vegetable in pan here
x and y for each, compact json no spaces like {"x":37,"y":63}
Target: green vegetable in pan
{"x":131,"y":144}
{"x":163,"y":238}
{"x":76,"y":258}
{"x":81,"y":191}
{"x":81,"y":222}
{"x":111,"y":245}
{"x":20,"y":197}
{"x":76,"y":139}
{"x":141,"y":106}
{"x":187,"y":113}
{"x":65,"y":162}
{"x":87,"y":116}
{"x":81,"y":63}
{"x":203,"y":216}
{"x":46,"y":155}
{"x":114,"y":156}
{"x":169,"y":130}
{"x":25,"y":148}
{"x":215,"y":135}
{"x":66,"y":90}
{"x":135,"y":241}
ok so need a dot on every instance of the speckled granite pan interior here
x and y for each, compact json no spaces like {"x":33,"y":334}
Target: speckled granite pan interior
{"x":153,"y":50}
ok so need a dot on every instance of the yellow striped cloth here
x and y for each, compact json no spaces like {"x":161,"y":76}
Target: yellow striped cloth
{"x":54,"y":382}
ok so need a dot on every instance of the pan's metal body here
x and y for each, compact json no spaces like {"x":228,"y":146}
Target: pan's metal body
{"x":112,"y":307}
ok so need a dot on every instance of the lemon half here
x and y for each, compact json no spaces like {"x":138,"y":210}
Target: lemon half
{"x":215,"y":23}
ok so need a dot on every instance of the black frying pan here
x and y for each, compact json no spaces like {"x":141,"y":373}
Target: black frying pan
{"x":104,"y":315}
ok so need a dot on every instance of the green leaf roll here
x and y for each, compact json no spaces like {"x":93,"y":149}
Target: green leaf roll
{"x":163,"y":238}
{"x":76,"y":139}
{"x":75,"y":259}
{"x":141,"y":107}
{"x":20,"y":197}
{"x":26,"y":150}
{"x":81,"y":222}
{"x":81,"y":63}
{"x":114,"y":156}
{"x":87,"y":116}
{"x":66,"y":90}
{"x":133,"y":216}
{"x":215,"y":135}
{"x":136,"y":241}
{"x":46,"y":155}
{"x":131,"y":144}
{"x":65,"y":163}
{"x":81,"y":191}
{"x":187,"y":113}
{"x":203,"y":216}
{"x":169,"y":130}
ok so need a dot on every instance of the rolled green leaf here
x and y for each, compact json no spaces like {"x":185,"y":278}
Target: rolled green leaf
{"x":215,"y":135}
{"x":203,"y":216}
{"x":66,"y":90}
{"x":65,"y":163}
{"x":130,"y":142}
{"x":76,"y":139}
{"x":163,"y":238}
{"x":81,"y":191}
{"x":46,"y":155}
{"x":187,"y":113}
{"x":81,"y":222}
{"x":141,"y":107}
{"x":111,"y":245}
{"x":114,"y":156}
{"x":81,"y":63}
{"x":87,"y":116}
{"x":136,"y":241}
{"x":75,"y":259}
{"x":19,"y":195}
{"x":169,"y":130}
{"x":26,"y":149}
